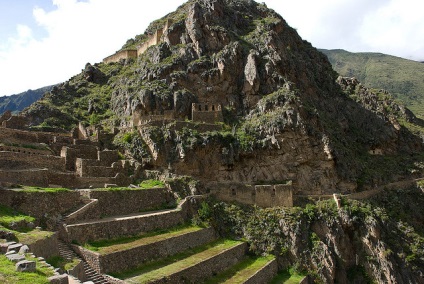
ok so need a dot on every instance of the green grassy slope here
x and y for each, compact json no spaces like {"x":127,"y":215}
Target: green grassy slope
{"x":403,"y":78}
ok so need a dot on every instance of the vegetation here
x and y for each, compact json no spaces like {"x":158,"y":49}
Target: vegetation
{"x":9,"y":275}
{"x":278,"y":231}
{"x":113,"y":245}
{"x":166,"y":266}
{"x":151,"y":183}
{"x":401,"y":77}
{"x":289,"y":276}
{"x":240,"y":272}
{"x":60,"y":262}
{"x":13,"y":219}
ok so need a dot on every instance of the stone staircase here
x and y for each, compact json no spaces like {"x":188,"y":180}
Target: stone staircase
{"x":166,"y":251}
{"x":89,"y":273}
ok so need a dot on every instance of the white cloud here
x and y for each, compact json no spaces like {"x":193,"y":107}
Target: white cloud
{"x":397,"y":28}
{"x":78,"y":32}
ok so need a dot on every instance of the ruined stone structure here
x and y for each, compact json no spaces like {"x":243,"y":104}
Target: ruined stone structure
{"x":151,"y":40}
{"x":208,"y":113}
{"x":51,"y":159}
{"x":7,"y":120}
{"x":121,"y":55}
{"x":260,"y":195}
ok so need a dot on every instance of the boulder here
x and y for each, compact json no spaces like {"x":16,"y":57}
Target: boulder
{"x":59,"y":279}
{"x":4,"y":246}
{"x":26,"y":266}
{"x":24,"y":249}
{"x":15,"y":257}
{"x":14,"y":247}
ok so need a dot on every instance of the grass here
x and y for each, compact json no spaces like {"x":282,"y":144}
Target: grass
{"x":151,"y":183}
{"x":33,"y":236}
{"x":169,"y":265}
{"x":288,"y":277}
{"x":60,"y":262}
{"x":242,"y":271}
{"x":110,"y":246}
{"x":9,"y":275}
{"x":43,"y":189}
{"x":8,"y":217}
{"x":401,"y":77}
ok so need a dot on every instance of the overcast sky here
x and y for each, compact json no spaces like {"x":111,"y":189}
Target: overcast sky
{"x":43,"y":42}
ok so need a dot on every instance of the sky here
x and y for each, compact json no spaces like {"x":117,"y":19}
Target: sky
{"x":44,"y":42}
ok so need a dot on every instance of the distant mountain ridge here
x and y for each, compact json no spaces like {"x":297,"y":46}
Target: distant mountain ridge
{"x":16,"y":103}
{"x":403,"y":78}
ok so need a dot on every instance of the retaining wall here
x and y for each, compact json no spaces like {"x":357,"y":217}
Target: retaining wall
{"x":111,"y":228}
{"x":47,"y":247}
{"x":123,"y":202}
{"x":19,"y":160}
{"x":27,"y":177}
{"x":40,"y":204}
{"x":134,"y":257}
{"x":208,"y":267}
{"x":265,"y":275}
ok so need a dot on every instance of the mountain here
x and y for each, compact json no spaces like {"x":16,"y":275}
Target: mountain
{"x":401,"y":77}
{"x":224,"y":91}
{"x":16,"y":103}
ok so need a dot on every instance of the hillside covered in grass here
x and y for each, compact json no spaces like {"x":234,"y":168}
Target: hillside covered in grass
{"x":401,"y":77}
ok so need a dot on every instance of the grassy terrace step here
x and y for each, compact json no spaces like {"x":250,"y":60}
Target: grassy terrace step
{"x":112,"y":256}
{"x":288,"y":277}
{"x":127,"y":225}
{"x":246,"y":270}
{"x":111,"y":246}
{"x":195,"y":264}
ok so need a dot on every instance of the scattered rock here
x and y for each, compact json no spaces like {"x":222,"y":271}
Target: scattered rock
{"x":15,"y":257}
{"x":59,"y":279}
{"x":14,"y":247}
{"x":26,"y":266}
{"x":24,"y":249}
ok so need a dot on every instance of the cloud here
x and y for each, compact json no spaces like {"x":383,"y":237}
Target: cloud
{"x":77,"y":32}
{"x":396,"y":28}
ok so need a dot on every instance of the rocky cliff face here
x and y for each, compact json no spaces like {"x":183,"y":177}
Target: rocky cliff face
{"x":374,"y":241}
{"x":285,"y":116}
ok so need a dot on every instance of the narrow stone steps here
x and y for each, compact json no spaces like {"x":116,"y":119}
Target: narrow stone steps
{"x":197,"y":267}
{"x":91,"y":275}
{"x":251,"y":270}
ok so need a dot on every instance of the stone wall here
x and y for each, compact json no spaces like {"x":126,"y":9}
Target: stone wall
{"x":106,"y":203}
{"x":27,"y":177}
{"x":121,"y":55}
{"x":29,"y":137}
{"x":133,"y":257}
{"x":151,"y":40}
{"x":110,"y":228}
{"x":209,"y":113}
{"x":260,"y":195}
{"x":21,"y":160}
{"x":25,"y":150}
{"x":71,"y":152}
{"x":47,"y":247}
{"x":265,"y":275}
{"x":15,"y":122}
{"x":200,"y":271}
{"x":40,"y":204}
{"x":78,"y":271}
{"x":123,"y":202}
